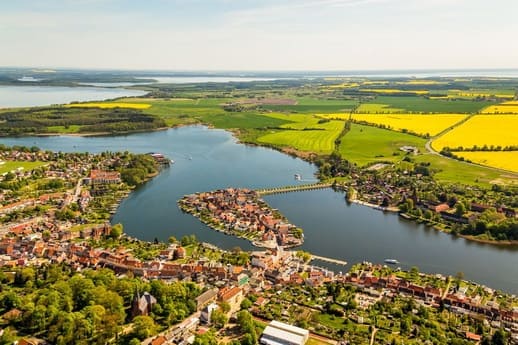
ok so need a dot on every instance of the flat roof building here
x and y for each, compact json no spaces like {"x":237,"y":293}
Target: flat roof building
{"x":279,"y":333}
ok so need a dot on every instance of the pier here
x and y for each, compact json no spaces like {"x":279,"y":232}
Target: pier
{"x":297,"y":188}
{"x":330,"y":260}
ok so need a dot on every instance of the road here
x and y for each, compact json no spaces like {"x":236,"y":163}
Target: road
{"x":373,"y":335}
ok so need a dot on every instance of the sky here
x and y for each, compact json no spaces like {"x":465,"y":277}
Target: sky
{"x":259,"y":35}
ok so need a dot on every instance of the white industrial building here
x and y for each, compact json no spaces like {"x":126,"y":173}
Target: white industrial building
{"x":279,"y":333}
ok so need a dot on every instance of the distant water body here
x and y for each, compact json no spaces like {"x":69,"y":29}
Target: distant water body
{"x":31,"y":96}
{"x":490,"y":73}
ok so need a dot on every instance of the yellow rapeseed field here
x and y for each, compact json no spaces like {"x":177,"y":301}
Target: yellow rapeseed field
{"x":109,"y":105}
{"x":397,"y":91}
{"x":420,"y":124}
{"x":510,"y":107}
{"x":507,"y":160}
{"x":480,"y":130}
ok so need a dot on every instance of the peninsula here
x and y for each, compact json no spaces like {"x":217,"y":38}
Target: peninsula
{"x":241,"y":212}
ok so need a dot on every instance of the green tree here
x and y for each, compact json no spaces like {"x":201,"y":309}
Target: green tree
{"x":143,"y":327}
{"x":116,"y":231}
{"x":218,"y":319}
{"x":460,"y":209}
{"x":207,"y":338}
{"x":499,"y":337}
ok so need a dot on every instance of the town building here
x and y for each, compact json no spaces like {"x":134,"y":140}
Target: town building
{"x":280,"y":333}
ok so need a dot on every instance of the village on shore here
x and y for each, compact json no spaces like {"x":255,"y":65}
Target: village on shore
{"x":54,"y":223}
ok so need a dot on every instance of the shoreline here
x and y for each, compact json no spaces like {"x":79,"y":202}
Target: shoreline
{"x":292,"y":152}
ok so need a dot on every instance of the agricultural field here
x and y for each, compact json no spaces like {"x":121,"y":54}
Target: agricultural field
{"x":506,"y":160}
{"x":396,"y":91}
{"x":7,"y":166}
{"x":453,"y":171}
{"x":424,"y":125}
{"x":481,"y":130}
{"x":481,"y":93}
{"x":305,"y":133}
{"x":109,"y":105}
{"x":415,"y":104}
{"x":510,"y":107}
{"x":375,"y":108}
{"x":366,"y":144}
{"x":312,"y":105}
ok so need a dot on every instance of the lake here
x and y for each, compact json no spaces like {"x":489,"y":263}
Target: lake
{"x":30,"y":96}
{"x":207,"y":159}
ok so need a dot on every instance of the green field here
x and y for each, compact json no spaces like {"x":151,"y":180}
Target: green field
{"x":422,"y":104}
{"x":315,"y":105}
{"x":453,"y":171}
{"x":7,"y":166}
{"x":375,"y":108}
{"x":305,"y":133}
{"x":365,"y":144}
{"x":64,"y":129}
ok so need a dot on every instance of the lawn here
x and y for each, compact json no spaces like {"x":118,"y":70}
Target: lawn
{"x":366,"y":144}
{"x":480,"y":130}
{"x":424,"y":105}
{"x":6,"y":166}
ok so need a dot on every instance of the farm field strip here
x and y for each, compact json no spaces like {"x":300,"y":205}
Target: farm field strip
{"x":507,"y":160}
{"x":397,"y":91}
{"x":109,"y":105}
{"x":376,"y":108}
{"x":431,"y":124}
{"x":480,"y":130}
{"x":510,"y":107}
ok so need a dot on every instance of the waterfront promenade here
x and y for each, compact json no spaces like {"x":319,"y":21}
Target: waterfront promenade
{"x":330,"y":260}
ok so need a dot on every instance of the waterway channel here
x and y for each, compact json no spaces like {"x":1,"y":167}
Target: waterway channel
{"x":207,"y":159}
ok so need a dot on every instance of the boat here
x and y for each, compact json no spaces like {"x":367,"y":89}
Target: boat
{"x":172,"y":161}
{"x":391,"y":261}
{"x":297,"y":177}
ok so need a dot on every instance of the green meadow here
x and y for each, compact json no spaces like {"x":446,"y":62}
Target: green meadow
{"x":7,"y":166}
{"x":304,"y":133}
{"x":425,"y":105}
{"x":363,"y":145}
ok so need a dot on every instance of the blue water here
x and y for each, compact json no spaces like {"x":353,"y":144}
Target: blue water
{"x":207,"y":159}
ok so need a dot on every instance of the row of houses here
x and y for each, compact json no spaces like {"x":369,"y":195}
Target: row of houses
{"x":432,"y":296}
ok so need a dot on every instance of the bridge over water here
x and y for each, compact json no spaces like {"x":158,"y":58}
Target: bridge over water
{"x":297,"y":188}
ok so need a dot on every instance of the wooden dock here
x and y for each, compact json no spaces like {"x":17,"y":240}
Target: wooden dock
{"x":330,"y":260}
{"x":296,"y":188}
